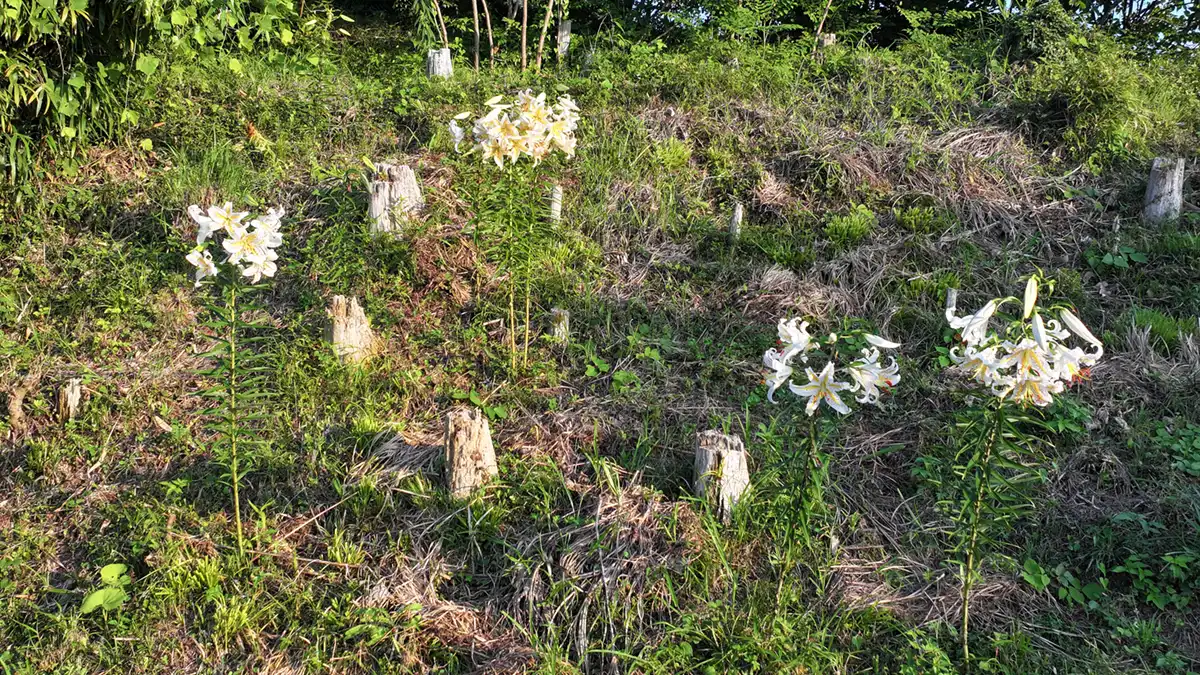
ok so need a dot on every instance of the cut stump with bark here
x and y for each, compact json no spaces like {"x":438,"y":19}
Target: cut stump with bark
{"x":70,"y":396}
{"x":395,"y":195}
{"x":470,"y":455}
{"x":722,"y":474}
{"x":349,"y":330}
{"x":439,"y":64}
{"x":1164,"y":191}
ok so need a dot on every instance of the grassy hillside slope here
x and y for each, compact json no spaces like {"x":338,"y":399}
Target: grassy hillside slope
{"x":874,"y":181}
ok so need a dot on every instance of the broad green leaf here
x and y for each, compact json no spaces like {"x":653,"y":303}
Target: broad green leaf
{"x":235,"y":65}
{"x":108,"y":598}
{"x":147,"y":63}
{"x":114,"y":574}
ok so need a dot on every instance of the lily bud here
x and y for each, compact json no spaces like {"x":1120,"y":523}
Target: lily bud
{"x":1031,"y":294}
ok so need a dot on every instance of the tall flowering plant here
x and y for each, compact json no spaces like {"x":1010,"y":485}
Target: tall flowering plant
{"x":518,"y":136}
{"x":841,"y":371}
{"x":246,"y":253}
{"x":526,"y":128}
{"x":1018,"y":363}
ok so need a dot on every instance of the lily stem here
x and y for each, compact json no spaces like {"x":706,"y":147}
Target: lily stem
{"x":969,"y":574}
{"x":801,"y":510}
{"x":233,"y":421}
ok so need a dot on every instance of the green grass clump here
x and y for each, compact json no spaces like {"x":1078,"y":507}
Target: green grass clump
{"x":923,"y":219}
{"x":1167,"y":330}
{"x":848,"y":229}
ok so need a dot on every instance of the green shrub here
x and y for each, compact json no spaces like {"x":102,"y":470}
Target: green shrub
{"x":74,"y":67}
{"x":847,"y":230}
{"x":1106,"y":106}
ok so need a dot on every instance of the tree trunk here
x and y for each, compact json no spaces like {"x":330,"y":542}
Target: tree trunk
{"x":475,"y":19}
{"x":349,"y":330}
{"x":721,"y":471}
{"x":524,"y":34}
{"x":470,"y":456}
{"x":1164,"y":191}
{"x":487,"y":17}
{"x":542,"y":38}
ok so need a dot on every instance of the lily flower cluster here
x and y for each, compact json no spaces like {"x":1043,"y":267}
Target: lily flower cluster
{"x":1031,"y":361}
{"x":249,"y":246}
{"x":866,"y":376}
{"x":526,"y":127}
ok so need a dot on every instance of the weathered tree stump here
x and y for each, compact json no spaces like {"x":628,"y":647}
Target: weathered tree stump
{"x":439,"y":64}
{"x":1164,"y":191}
{"x":722,"y":474}
{"x":470,"y":456}
{"x":349,"y":330}
{"x":395,"y":193}
{"x":560,"y":322}
{"x":70,"y":396}
{"x":556,"y":197}
{"x":564,"y":39}
{"x":735,"y":221}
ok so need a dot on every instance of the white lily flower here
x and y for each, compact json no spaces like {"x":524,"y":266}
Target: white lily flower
{"x":567,"y":145}
{"x":494,"y":101}
{"x":1039,"y":333}
{"x":1076,"y":326}
{"x":457,"y":134}
{"x":822,"y":388}
{"x":981,"y":364}
{"x":506,"y":129}
{"x":243,"y":244}
{"x":495,"y":149}
{"x":1031,"y":293}
{"x":207,"y":226}
{"x":268,"y":230}
{"x":259,"y":269}
{"x":1029,"y":358}
{"x":880,"y":342}
{"x":1036,"y":390}
{"x":973,"y":327}
{"x":224,"y":217}
{"x":793,"y":334}
{"x":202,"y":260}
{"x":566,"y":104}
{"x":538,"y":150}
{"x":869,"y":376}
{"x":780,"y":373}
